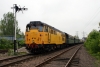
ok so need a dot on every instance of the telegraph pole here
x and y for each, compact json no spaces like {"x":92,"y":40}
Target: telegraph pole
{"x":77,"y":34}
{"x":16,"y":9}
{"x":83,"y":34}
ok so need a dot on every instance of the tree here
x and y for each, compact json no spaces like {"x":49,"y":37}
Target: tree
{"x":93,"y":42}
{"x":7,"y":25}
{"x":7,"y":29}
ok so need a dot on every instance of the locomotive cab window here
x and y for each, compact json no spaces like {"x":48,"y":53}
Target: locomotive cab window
{"x":39,"y":27}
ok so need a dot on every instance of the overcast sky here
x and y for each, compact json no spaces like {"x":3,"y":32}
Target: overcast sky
{"x":68,"y":16}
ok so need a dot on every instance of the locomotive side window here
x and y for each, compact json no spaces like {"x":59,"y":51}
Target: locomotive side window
{"x":45,"y":29}
{"x":51,"y":31}
{"x":54,"y":32}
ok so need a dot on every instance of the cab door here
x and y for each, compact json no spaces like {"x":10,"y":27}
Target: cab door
{"x":49,"y":35}
{"x":46,"y":34}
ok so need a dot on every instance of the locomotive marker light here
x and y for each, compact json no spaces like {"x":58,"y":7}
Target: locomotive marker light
{"x":17,"y":9}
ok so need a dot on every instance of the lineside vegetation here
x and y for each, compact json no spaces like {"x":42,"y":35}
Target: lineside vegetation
{"x":7,"y":30}
{"x":92,"y":43}
{"x":8,"y":44}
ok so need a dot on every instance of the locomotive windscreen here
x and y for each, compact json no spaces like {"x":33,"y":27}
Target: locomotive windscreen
{"x":35,"y":25}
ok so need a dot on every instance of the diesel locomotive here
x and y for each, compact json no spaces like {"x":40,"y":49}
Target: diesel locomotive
{"x":41,"y":36}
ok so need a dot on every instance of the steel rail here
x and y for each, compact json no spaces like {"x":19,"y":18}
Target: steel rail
{"x":6,"y":59}
{"x":69,"y":62}
{"x":48,"y":60}
{"x":14,"y":58}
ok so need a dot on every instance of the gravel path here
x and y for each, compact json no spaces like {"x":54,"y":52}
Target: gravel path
{"x":23,"y":49}
{"x":85,"y":59}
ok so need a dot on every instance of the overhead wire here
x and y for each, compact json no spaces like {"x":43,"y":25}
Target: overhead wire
{"x":93,"y":27}
{"x":92,"y":19}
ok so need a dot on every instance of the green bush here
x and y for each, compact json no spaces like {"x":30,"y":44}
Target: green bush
{"x":21,"y":43}
{"x":5,"y":44}
{"x":93,"y":43}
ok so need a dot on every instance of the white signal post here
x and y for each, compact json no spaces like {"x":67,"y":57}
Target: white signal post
{"x":16,"y":9}
{"x":14,"y":12}
{"x":15,"y":32}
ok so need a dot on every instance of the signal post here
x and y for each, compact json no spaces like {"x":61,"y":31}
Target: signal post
{"x":15,"y":10}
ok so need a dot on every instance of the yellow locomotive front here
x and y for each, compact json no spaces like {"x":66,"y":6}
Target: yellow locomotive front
{"x":34,"y":35}
{"x":39,"y":36}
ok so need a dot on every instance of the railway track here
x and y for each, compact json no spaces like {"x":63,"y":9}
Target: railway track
{"x":14,"y":60}
{"x":68,"y":64}
{"x":17,"y":60}
{"x":55,"y":60}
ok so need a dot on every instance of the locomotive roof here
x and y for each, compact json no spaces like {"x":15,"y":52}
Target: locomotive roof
{"x":39,"y":22}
